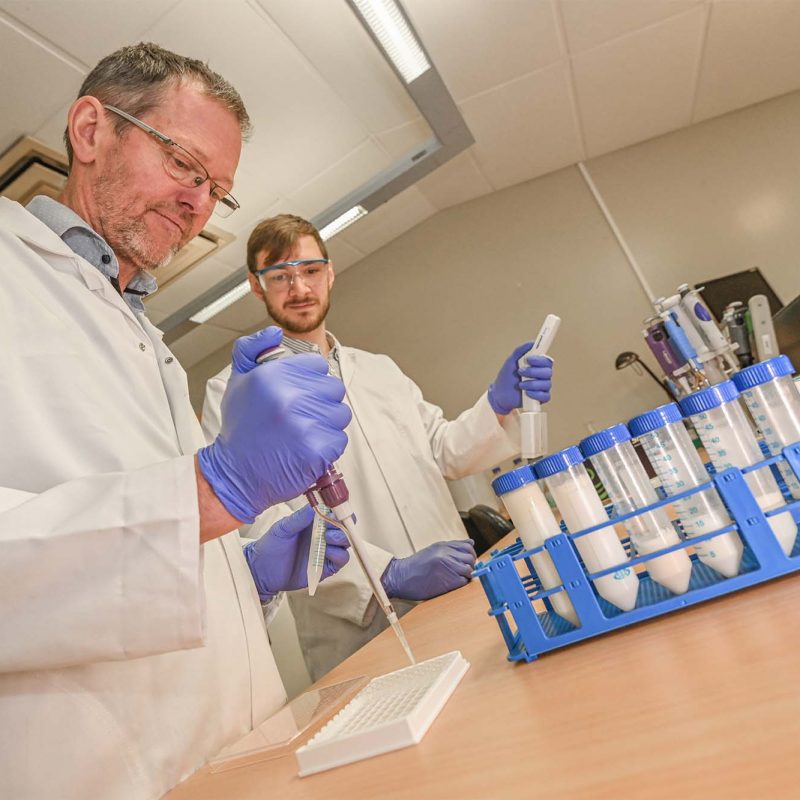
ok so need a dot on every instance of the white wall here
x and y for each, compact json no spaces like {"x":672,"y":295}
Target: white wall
{"x":450,"y":298}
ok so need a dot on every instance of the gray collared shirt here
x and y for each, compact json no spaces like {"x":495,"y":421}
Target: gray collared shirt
{"x":300,"y":346}
{"x":87,"y":244}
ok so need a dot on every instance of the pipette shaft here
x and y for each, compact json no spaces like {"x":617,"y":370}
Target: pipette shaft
{"x":334,"y":493}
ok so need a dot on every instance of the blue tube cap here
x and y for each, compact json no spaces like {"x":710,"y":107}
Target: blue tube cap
{"x":558,"y":462}
{"x":603,"y":440}
{"x":515,"y":479}
{"x":763,"y":373}
{"x":706,"y":399}
{"x":655,"y":419}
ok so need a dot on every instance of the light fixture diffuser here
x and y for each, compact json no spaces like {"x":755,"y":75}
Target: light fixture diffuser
{"x":342,"y":221}
{"x":390,"y":28}
{"x":227,"y":299}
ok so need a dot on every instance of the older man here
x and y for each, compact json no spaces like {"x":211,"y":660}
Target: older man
{"x":133,"y":641}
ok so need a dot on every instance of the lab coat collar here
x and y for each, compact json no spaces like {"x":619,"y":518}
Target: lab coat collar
{"x":346,"y":362}
{"x":35,"y":233}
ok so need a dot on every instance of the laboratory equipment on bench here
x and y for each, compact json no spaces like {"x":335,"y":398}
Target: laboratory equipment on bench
{"x":533,"y":421}
{"x":393,"y":711}
{"x":332,"y":491}
{"x":766,"y":341}
{"x":566,"y":478}
{"x":528,"y":633}
{"x":679,"y":468}
{"x":773,"y":400}
{"x":729,"y":440}
{"x":700,"y":316}
{"x":535,"y":523}
{"x":735,"y":322}
{"x":629,"y":488}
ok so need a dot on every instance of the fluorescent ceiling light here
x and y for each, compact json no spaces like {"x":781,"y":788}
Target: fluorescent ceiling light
{"x":227,"y":299}
{"x":398,"y":40}
{"x":342,"y":221}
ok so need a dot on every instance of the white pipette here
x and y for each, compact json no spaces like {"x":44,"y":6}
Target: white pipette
{"x":533,"y":421}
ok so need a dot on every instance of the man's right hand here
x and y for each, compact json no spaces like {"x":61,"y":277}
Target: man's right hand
{"x":282,"y":424}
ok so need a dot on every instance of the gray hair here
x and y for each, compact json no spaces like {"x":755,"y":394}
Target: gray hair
{"x":135,"y":78}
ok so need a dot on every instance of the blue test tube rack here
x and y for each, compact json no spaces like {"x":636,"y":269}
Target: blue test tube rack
{"x":512,"y":587}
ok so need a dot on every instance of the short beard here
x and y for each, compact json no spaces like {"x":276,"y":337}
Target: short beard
{"x":308,"y":325}
{"x":124,"y":228}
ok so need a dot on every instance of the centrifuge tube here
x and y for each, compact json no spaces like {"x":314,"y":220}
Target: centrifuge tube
{"x":729,"y":440}
{"x":679,"y":468}
{"x":773,"y":400}
{"x":629,"y":488}
{"x":534,"y":522}
{"x":581,"y":508}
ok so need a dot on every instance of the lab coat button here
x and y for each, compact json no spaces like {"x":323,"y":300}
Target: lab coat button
{"x":142,"y":346}
{"x":168,"y":360}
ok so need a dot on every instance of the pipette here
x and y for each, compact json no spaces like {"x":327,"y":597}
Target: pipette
{"x":533,"y":421}
{"x":333,"y":492}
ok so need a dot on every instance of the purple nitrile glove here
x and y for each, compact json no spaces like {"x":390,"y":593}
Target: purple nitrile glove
{"x":282,"y":424}
{"x":434,"y":570}
{"x":505,"y":394}
{"x":278,"y":560}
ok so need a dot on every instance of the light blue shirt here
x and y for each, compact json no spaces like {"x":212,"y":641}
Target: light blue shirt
{"x":87,"y":244}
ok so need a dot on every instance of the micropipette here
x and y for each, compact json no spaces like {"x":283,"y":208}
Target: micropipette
{"x":334,"y":493}
{"x":533,"y":421}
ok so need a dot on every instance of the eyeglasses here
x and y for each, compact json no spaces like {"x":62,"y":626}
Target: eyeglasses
{"x":183,"y":167}
{"x":278,"y":278}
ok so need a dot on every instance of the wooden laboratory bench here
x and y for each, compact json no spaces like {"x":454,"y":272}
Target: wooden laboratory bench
{"x":703,"y":703}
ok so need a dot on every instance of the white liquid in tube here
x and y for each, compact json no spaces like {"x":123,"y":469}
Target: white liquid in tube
{"x":629,"y":488}
{"x":581,"y":508}
{"x":534,"y":522}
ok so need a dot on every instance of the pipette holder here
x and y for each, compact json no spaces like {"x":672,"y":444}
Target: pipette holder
{"x":512,"y":585}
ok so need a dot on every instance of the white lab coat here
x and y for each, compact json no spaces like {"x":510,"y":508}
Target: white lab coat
{"x":400,"y":450}
{"x":128,"y":654}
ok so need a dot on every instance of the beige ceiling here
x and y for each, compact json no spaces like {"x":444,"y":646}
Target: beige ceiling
{"x":542,"y":84}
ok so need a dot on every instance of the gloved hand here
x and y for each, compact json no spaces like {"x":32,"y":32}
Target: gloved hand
{"x":282,"y":424}
{"x":505,"y":394}
{"x":278,"y":560}
{"x":434,"y":570}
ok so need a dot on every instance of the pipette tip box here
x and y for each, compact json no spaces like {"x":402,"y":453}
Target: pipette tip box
{"x":393,"y":711}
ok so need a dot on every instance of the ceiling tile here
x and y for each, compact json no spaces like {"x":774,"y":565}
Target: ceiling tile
{"x":190,"y":285}
{"x":455,"y":182}
{"x":584,"y":27}
{"x":525,"y":128}
{"x":40,"y":82}
{"x":201,"y":341}
{"x":752,"y":53}
{"x":349,"y":60}
{"x":388,"y":221}
{"x":243,"y":316}
{"x":302,"y":126}
{"x":341,"y":178}
{"x":51,"y":131}
{"x":639,"y":86}
{"x":402,"y":141}
{"x":89,"y":32}
{"x":342,"y":253}
{"x":479,"y":44}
